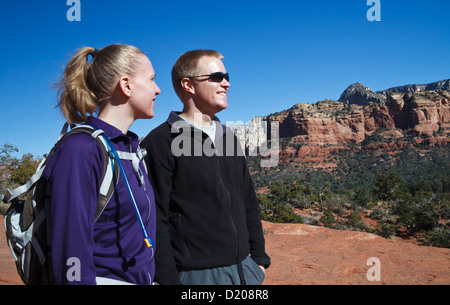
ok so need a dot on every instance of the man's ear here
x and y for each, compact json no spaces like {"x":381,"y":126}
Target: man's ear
{"x":125,"y":86}
{"x":187,"y":85}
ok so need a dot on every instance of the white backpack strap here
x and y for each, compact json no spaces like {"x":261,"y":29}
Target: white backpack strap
{"x":135,"y":159}
{"x":106,"y":281}
{"x":11,"y":195}
{"x":97,"y":133}
{"x":142,"y":153}
{"x":104,"y":188}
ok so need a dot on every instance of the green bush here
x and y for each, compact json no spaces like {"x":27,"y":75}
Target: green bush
{"x":363,"y":197}
{"x":419,"y":212}
{"x":438,"y":237}
{"x":386,"y":229}
{"x":387,"y":186}
{"x":355,"y":218}
{"x":328,"y":219}
{"x":279,"y":213}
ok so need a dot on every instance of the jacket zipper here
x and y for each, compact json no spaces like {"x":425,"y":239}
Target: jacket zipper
{"x":233,"y":225}
{"x":183,"y":236}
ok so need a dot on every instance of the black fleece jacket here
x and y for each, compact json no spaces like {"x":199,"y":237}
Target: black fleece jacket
{"x":206,"y":207}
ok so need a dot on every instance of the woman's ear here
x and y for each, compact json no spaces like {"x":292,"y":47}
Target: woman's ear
{"x":125,"y":86}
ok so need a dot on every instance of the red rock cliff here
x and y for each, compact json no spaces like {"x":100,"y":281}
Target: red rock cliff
{"x":422,"y":114}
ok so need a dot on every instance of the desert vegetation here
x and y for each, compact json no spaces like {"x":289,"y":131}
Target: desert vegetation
{"x":404,"y":194}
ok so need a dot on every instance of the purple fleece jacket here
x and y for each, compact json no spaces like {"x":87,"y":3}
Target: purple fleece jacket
{"x":114,"y":246}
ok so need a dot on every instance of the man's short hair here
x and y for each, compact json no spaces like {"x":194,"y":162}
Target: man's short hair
{"x":187,"y":65}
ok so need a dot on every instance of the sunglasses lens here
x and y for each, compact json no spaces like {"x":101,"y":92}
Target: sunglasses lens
{"x":218,"y":77}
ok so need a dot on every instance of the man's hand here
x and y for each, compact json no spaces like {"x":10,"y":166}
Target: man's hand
{"x":262,"y":268}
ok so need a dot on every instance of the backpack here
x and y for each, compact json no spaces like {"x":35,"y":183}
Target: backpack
{"x":25,"y":220}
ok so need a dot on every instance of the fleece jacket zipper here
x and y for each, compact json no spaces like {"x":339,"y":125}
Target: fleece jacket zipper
{"x":233,"y":225}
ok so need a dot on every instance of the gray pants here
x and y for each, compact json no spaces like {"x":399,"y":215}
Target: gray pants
{"x":228,"y":275}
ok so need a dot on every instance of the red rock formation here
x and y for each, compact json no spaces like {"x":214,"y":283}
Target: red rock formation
{"x":410,"y":118}
{"x":424,"y":112}
{"x":331,"y":123}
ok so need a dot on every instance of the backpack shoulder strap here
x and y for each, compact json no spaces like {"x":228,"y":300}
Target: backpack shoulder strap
{"x":110,"y":173}
{"x":11,"y":195}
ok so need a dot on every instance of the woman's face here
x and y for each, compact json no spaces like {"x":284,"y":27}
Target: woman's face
{"x":144,"y":89}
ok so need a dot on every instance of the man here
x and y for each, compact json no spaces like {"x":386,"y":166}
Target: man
{"x":208,"y":225}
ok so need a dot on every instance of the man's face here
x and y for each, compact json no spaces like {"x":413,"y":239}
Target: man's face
{"x":210,"y":97}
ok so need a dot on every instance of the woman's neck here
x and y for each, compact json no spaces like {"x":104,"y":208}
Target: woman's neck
{"x":116,"y":118}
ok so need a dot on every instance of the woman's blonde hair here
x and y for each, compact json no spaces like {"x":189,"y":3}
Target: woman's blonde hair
{"x":187,"y":66}
{"x":85,"y":86}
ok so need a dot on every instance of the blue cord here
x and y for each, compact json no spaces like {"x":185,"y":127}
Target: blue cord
{"x":148,"y":241}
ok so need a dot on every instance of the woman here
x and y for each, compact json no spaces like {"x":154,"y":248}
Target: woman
{"x":110,"y":92}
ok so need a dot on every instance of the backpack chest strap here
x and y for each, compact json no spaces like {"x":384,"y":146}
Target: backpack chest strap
{"x":135,"y":159}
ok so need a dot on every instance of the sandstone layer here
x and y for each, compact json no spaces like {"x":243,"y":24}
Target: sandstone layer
{"x":420,"y":114}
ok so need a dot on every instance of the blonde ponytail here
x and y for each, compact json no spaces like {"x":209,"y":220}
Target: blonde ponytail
{"x":85,"y":86}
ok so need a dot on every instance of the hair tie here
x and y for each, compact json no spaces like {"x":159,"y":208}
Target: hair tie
{"x":93,"y":54}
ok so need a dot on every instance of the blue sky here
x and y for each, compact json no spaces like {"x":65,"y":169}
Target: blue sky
{"x":278,"y":53}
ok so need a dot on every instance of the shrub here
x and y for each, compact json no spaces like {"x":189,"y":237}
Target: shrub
{"x":387,"y":186}
{"x":417,"y":214}
{"x":355,"y":219}
{"x":279,"y":213}
{"x":328,"y":219}
{"x":386,"y":230}
{"x":363,"y":197}
{"x":438,"y":237}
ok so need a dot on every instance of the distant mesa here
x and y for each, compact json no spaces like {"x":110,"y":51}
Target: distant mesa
{"x":361,"y":95}
{"x":443,"y":85}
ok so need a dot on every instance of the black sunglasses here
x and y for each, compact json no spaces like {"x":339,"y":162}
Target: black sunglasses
{"x":216,"y":77}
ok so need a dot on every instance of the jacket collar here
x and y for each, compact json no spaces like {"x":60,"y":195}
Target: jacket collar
{"x":174,"y":117}
{"x":113,"y":133}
